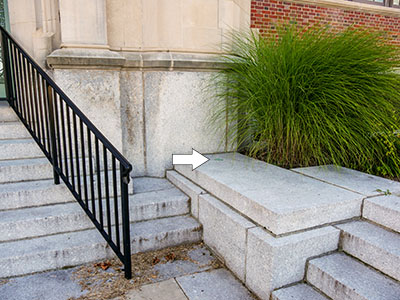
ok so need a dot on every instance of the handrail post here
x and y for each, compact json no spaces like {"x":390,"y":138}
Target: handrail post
{"x":6,"y":68}
{"x":54,"y":157}
{"x":126,"y":222}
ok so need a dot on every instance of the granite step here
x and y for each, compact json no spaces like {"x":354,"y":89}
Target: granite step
{"x":298,"y":292}
{"x":383,"y":210}
{"x":278,"y":199}
{"x":6,"y":113}
{"x":18,"y":149}
{"x":68,"y":217}
{"x":341,"y":277}
{"x":33,"y":169}
{"x":373,"y":245}
{"x":72,"y":249}
{"x":13,"y":130}
{"x":365,"y":184}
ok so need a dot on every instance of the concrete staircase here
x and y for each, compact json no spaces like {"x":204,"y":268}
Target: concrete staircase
{"x":366,"y":267}
{"x":304,"y":234}
{"x":42,"y":227}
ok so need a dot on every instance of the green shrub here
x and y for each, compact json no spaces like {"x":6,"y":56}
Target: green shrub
{"x":313,"y":97}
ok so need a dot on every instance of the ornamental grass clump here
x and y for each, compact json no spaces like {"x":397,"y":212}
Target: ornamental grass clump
{"x":313,"y":97}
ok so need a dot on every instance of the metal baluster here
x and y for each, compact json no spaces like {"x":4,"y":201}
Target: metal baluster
{"x":125,"y":221}
{"x":63,"y":138}
{"x":99,"y":182}
{"x":54,"y":155}
{"x":35,"y":100}
{"x":91,"y":179}
{"x":46,"y":114}
{"x":107,"y":189}
{"x":78,"y":173}
{"x":115,"y":190}
{"x":41,"y":106}
{"x":58,"y":136}
{"x":85,"y":187}
{"x":71,"y":155}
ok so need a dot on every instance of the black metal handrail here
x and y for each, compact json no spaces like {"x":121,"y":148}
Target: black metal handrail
{"x":95,"y":172}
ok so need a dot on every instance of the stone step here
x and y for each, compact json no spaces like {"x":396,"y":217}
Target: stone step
{"x":280,"y":200}
{"x":384,"y":210}
{"x":72,"y":249}
{"x":341,"y":277}
{"x":17,"y":149}
{"x":31,"y":169}
{"x":359,"y":182}
{"x":68,"y":217}
{"x":25,"y":170}
{"x":32,"y":194}
{"x":298,"y":292}
{"x":13,"y":130}
{"x":373,"y":245}
{"x":6,"y":113}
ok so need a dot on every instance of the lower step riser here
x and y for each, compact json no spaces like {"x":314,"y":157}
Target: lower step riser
{"x":19,"y":151}
{"x":31,"y":228}
{"x":17,"y":173}
{"x":48,"y":260}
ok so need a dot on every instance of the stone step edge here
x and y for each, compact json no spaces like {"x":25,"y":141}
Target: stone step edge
{"x":160,"y":239}
{"x":85,"y":222}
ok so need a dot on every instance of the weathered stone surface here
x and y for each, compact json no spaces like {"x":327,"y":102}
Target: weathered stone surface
{"x":75,"y":248}
{"x":97,"y":95}
{"x":33,"y":193}
{"x":150,"y":184}
{"x":225,"y":231}
{"x":373,"y":245}
{"x":132,"y":120}
{"x":280,"y":200}
{"x":177,"y":118}
{"x":365,"y":184}
{"x":189,"y":188}
{"x":15,"y":149}
{"x":297,"y":292}
{"x":275,"y":262}
{"x":6,"y":113}
{"x":164,"y":290}
{"x":384,"y":210}
{"x":13,"y":130}
{"x":162,"y":233}
{"x":214,"y":285}
{"x":55,"y":285}
{"x":341,"y":277}
{"x":25,"y":170}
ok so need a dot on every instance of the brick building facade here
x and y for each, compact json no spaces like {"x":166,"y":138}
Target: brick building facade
{"x":265,"y":14}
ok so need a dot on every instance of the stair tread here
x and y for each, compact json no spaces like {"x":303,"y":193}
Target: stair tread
{"x":338,"y":274}
{"x":24,"y":161}
{"x":379,"y":237}
{"x":47,"y":211}
{"x":384,"y":210}
{"x":13,"y":130}
{"x":373,"y":245}
{"x":143,"y":229}
{"x":298,"y":292}
{"x":19,"y":149}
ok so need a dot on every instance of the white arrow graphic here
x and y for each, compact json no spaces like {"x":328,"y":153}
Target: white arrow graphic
{"x":195,"y":159}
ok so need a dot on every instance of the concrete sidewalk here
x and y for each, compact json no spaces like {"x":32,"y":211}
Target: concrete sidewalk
{"x":217,"y":284}
{"x":179,"y":273}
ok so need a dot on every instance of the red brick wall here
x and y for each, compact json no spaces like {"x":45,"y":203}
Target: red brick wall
{"x":265,"y":14}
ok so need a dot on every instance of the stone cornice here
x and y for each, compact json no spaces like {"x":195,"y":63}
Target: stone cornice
{"x":104,"y":59}
{"x":350,"y":5}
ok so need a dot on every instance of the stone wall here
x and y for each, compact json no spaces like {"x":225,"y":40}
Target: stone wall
{"x":266,"y":14}
{"x":149,"y":106}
